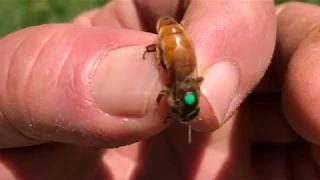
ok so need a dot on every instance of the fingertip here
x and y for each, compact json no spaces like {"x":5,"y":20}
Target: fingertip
{"x":233,"y":42}
{"x":296,"y":61}
{"x":291,"y":30}
{"x":284,"y":6}
{"x":86,"y":17}
{"x":220,"y":84}
{"x":301,"y":89}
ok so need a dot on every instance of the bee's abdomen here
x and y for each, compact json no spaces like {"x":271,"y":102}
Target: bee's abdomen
{"x":170,"y":30}
{"x":175,"y":49}
{"x":165,"y":21}
{"x":168,"y":26}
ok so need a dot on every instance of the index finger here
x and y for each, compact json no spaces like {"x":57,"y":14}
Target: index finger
{"x":297,"y":63}
{"x":234,"y":42}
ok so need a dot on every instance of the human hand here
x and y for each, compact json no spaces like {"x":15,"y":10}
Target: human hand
{"x":288,"y":132}
{"x":86,"y":83}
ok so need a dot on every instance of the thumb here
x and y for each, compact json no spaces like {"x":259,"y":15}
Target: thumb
{"x":83,"y":85}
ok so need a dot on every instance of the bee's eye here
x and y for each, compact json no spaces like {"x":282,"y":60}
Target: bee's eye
{"x":190,"y":98}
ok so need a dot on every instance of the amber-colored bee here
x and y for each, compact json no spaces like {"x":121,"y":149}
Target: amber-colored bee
{"x":176,"y":55}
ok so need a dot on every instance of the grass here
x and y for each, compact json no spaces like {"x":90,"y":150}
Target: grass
{"x":307,"y":1}
{"x":18,"y":14}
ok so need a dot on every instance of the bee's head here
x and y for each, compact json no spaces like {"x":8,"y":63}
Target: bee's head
{"x":188,"y":101}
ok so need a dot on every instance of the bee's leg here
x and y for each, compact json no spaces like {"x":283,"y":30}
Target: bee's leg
{"x":164,"y":92}
{"x":166,"y":119}
{"x":172,"y":115}
{"x":160,"y":56}
{"x":150,"y":48}
{"x":200,"y":80}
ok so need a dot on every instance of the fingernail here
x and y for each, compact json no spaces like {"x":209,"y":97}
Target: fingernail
{"x":123,"y":82}
{"x":220,"y":84}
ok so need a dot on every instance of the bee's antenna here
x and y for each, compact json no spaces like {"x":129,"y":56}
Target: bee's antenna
{"x":189,"y":134}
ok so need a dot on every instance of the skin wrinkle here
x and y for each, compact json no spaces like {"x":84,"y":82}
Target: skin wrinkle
{"x":6,"y":73}
{"x":72,"y":89}
{"x":6,"y":85}
{"x":10,"y":66}
{"x":84,"y":76}
{"x":309,"y":30}
{"x":7,"y":82}
{"x":56,"y":125}
{"x":29,"y":126}
{"x":26,"y":85}
{"x":313,"y":36}
{"x":59,"y":68}
{"x":88,"y":73}
{"x":18,"y":132}
{"x":92,"y":68}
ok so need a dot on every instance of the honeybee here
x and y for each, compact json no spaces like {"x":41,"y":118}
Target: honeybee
{"x":177,"y":57}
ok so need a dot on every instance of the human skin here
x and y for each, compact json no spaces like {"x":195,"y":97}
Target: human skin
{"x":66,"y":86}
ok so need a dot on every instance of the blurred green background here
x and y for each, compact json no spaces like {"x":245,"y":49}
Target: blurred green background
{"x":17,"y":14}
